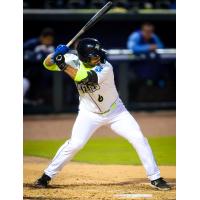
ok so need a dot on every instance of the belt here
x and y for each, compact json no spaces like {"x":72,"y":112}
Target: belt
{"x":112,"y":107}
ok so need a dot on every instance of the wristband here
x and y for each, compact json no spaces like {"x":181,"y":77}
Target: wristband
{"x":60,"y":62}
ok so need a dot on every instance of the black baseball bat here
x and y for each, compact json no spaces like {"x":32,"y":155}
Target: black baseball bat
{"x":91,"y":22}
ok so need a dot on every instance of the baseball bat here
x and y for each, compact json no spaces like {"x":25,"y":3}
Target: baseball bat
{"x":91,"y":22}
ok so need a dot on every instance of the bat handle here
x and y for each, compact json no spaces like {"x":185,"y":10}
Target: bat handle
{"x":58,"y":57}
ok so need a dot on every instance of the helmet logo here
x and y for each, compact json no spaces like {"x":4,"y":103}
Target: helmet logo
{"x":97,"y":46}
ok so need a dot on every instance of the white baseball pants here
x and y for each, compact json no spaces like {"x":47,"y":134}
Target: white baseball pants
{"x":121,"y":122}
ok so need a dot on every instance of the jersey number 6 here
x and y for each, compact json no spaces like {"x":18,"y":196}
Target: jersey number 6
{"x":100,"y":98}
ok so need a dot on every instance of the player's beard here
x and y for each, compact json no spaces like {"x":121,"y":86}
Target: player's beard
{"x":93,"y":62}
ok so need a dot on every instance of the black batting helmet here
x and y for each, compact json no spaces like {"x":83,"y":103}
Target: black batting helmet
{"x":90,"y":47}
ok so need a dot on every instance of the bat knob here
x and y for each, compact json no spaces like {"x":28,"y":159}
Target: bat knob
{"x":59,"y":57}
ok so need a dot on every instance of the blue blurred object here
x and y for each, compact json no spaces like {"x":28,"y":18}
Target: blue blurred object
{"x":161,"y":83}
{"x":144,"y":43}
{"x":36,"y":49}
{"x":173,"y":6}
{"x":138,"y":44}
{"x":60,"y":49}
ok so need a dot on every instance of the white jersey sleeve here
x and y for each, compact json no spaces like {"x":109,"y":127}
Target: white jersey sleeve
{"x":72,"y":60}
{"x":103,"y":71}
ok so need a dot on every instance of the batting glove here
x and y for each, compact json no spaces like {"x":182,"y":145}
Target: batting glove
{"x":60,"y":49}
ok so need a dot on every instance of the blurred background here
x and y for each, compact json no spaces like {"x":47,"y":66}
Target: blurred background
{"x":139,"y":36}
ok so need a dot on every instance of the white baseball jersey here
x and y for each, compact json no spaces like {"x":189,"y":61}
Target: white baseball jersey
{"x":97,"y":98}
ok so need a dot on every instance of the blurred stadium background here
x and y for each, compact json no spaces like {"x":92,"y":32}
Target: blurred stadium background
{"x":47,"y":92}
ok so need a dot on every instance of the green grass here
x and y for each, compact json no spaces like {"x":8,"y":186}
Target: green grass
{"x":107,"y":150}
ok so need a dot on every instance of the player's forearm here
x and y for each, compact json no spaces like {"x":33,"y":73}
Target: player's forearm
{"x":49,"y":64}
{"x":71,"y":71}
{"x":48,"y":60}
{"x":141,"y":48}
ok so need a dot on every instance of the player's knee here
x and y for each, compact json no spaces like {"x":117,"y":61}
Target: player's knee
{"x":137,"y":138}
{"x":77,"y":145}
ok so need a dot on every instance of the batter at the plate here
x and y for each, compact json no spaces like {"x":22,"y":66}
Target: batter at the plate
{"x":99,"y":105}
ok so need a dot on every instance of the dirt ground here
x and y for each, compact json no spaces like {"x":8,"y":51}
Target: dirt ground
{"x":89,"y":181}
{"x":60,"y":126}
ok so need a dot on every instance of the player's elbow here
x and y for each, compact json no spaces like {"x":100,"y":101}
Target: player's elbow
{"x":76,"y":145}
{"x":81,"y":74}
{"x":46,"y":64}
{"x":50,"y":66}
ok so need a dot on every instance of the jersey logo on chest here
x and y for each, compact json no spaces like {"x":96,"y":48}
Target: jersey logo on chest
{"x":87,"y":87}
{"x":98,"y":68}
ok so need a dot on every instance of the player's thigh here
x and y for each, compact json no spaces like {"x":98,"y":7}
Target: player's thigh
{"x":126,"y":126}
{"x":84,"y":126}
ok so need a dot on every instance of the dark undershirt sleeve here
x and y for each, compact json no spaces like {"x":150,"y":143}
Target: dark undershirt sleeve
{"x":92,"y":76}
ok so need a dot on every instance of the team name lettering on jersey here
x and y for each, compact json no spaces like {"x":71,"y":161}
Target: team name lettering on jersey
{"x":87,"y":87}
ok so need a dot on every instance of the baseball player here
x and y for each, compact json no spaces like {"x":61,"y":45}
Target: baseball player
{"x":99,"y":105}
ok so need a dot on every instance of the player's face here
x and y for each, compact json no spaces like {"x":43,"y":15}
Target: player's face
{"x":94,"y":60}
{"x":147,"y":32}
{"x":47,"y":40}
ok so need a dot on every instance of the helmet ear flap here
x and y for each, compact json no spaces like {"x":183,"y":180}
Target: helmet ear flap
{"x":86,"y":60}
{"x":103,"y":54}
